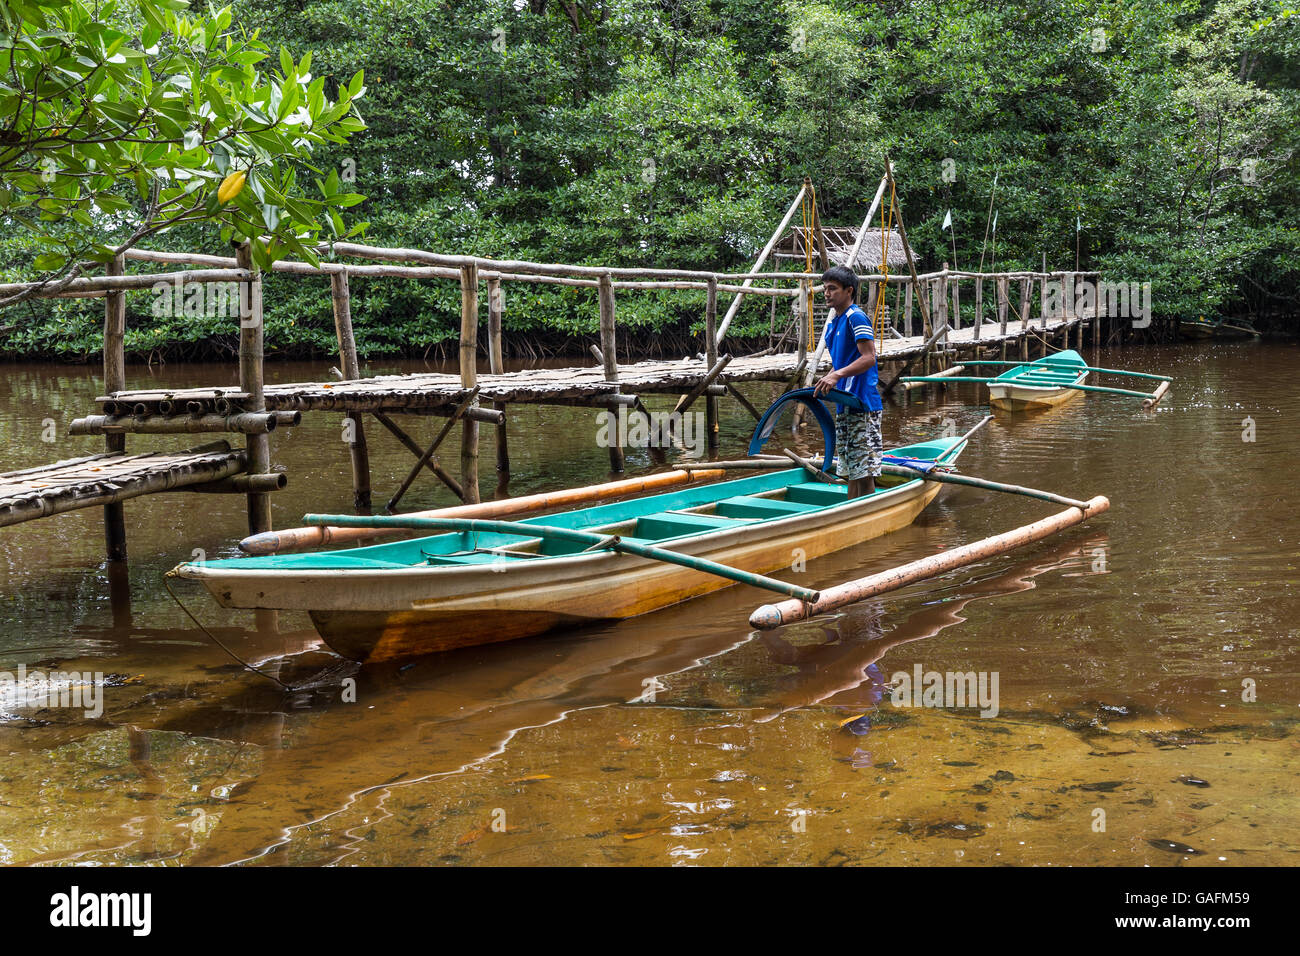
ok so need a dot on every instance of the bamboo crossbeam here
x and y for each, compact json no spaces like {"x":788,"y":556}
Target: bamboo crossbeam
{"x":686,"y":279}
{"x":597,"y":541}
{"x":427,"y":456}
{"x":409,"y":444}
{"x":243,"y":423}
{"x":127,"y":283}
{"x":686,"y":400}
{"x":243,"y":484}
{"x":450,"y":269}
{"x":771,"y":616}
{"x":505,"y":266}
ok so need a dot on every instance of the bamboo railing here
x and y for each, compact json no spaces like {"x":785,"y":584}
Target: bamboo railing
{"x":937,"y":296}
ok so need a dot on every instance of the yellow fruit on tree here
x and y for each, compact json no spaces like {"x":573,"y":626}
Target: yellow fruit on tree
{"x":231,"y":186}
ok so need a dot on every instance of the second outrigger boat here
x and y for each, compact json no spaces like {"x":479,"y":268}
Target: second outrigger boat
{"x":1045,"y":383}
{"x":496,"y":581}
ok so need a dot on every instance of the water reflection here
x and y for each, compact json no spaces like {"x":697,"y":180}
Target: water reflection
{"x":682,"y":737}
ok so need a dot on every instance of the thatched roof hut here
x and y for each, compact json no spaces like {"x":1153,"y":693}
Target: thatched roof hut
{"x":839,"y":243}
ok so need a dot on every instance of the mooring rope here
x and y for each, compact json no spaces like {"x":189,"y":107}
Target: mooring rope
{"x":235,"y":657}
{"x":877,"y":323}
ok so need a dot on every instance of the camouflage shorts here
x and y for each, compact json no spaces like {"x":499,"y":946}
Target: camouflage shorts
{"x":858,"y":445}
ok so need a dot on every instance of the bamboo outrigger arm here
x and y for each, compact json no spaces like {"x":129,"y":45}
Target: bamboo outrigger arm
{"x":1152,"y":396}
{"x":771,"y":616}
{"x":1080,"y":368}
{"x":597,"y":542}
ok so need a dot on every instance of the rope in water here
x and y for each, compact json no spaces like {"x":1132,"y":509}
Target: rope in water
{"x":212,"y":637}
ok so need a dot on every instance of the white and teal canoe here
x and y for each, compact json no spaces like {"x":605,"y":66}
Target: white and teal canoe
{"x":492,"y":581}
{"x":1045,"y":383}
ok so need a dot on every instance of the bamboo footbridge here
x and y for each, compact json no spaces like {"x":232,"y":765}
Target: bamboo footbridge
{"x":469,"y":398}
{"x":102,"y":479}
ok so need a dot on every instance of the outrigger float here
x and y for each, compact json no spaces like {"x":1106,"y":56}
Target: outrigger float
{"x":479,"y":580}
{"x":1047,"y":382}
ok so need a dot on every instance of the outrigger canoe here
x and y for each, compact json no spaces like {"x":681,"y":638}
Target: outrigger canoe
{"x":462,"y":588}
{"x":1046,"y":382}
{"x":1043,"y":383}
{"x":1203,"y":328}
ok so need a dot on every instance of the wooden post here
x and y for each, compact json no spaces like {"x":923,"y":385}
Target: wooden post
{"x":469,"y":378}
{"x":115,"y":381}
{"x":1026,"y":311}
{"x":251,"y":380}
{"x":898,"y":301}
{"x":710,"y":359}
{"x":943,"y":313}
{"x":979,"y":309}
{"x":497,"y":365}
{"x":609,"y":353}
{"x":1042,"y":306}
{"x":1071,"y":314}
{"x":801,"y":316}
{"x":771,"y":321}
{"x":341,"y":297}
{"x":956,"y":303}
{"x":1078,"y":341}
{"x":907,"y":309}
{"x":1002,"y":291}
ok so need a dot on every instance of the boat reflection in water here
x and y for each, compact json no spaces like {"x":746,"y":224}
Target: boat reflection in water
{"x":450,"y":713}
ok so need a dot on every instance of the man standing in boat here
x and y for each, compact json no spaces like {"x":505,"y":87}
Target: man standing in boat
{"x":852,"y":349}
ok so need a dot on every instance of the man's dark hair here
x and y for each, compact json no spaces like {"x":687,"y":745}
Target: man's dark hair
{"x":843,"y":276}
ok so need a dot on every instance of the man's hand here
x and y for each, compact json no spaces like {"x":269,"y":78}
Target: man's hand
{"x":827,"y":382}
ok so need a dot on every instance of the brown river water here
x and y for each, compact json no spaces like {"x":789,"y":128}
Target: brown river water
{"x":1148,"y":673}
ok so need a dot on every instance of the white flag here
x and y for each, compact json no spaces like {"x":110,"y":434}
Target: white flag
{"x":1078,"y":224}
{"x":995,"y":221}
{"x":947,"y":221}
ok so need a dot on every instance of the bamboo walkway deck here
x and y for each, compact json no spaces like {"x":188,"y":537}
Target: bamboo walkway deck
{"x":104,"y":479}
{"x":575,"y":385}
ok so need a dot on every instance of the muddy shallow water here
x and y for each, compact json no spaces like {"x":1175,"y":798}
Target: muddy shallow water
{"x":1147,"y":665}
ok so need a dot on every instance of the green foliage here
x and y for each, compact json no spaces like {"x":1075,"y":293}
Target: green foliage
{"x":119,"y":122}
{"x":675,"y":133}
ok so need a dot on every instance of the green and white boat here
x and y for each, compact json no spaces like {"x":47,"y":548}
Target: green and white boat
{"x":487,"y":581}
{"x":1044,"y":383}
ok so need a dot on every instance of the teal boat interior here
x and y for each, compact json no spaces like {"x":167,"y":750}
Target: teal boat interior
{"x":1052,"y":371}
{"x":653,"y":519}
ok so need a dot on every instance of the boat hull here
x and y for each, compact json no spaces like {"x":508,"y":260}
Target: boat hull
{"x":1023,"y":398}
{"x":1203,"y":330}
{"x":380,"y":615}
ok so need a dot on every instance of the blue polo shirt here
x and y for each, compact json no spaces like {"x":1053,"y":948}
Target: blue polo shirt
{"x":843,"y":332}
